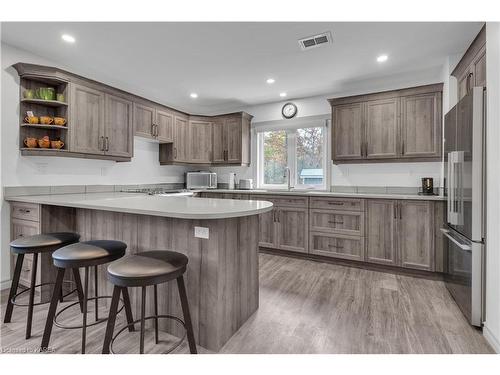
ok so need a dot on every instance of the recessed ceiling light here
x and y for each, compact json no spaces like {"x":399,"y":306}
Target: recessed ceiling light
{"x":282,"y":94}
{"x":193,"y":95}
{"x":382,"y":58}
{"x":68,"y":38}
{"x":270,"y":80}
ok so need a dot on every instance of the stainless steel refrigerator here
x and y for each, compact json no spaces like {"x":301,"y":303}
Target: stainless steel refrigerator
{"x":464,"y":234}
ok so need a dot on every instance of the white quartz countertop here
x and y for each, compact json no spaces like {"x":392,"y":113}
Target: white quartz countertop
{"x":154,"y":205}
{"x":331,"y":194}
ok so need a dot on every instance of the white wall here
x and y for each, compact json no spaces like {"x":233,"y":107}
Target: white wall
{"x":492,"y":324}
{"x":387,"y":174}
{"x":19,"y":170}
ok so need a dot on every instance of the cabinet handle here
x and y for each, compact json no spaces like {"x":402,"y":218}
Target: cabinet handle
{"x":25,"y":210}
{"x":336,"y":203}
{"x":107,"y":144}
{"x":395,"y":209}
{"x":468,"y":81}
{"x":366,"y":149}
{"x":175,"y":152}
{"x":336,"y":246}
{"x":400,"y":214}
{"x":403,"y":148}
{"x":101,"y":143}
{"x":335,"y":222}
{"x":156,"y":130}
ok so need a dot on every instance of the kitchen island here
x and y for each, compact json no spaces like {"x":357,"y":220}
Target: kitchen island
{"x":220,"y":238}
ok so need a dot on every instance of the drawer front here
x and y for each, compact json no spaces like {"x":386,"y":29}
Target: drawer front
{"x":343,"y":222}
{"x":344,"y":204}
{"x":25,"y":211}
{"x":286,"y":200}
{"x":337,"y":246}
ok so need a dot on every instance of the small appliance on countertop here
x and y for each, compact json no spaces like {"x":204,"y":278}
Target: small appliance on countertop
{"x":427,"y":186}
{"x":246,"y":184}
{"x":231,"y":181}
{"x":201,"y":180}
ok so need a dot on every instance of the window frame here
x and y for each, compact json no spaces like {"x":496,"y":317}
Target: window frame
{"x":292,"y":155}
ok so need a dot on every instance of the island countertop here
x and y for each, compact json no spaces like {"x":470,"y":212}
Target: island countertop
{"x":154,"y":205}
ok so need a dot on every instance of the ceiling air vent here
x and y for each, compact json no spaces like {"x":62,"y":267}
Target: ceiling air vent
{"x":315,"y":40}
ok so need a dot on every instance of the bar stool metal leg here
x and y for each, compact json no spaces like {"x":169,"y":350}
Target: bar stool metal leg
{"x":96,"y":294}
{"x":13,"y":288}
{"x":156,"y":313}
{"x":85,"y":301}
{"x":52,"y":309}
{"x":143,"y":314}
{"x":79,"y":288}
{"x":187,"y":315}
{"x":32,"y":295}
{"x":128,"y":310}
{"x":113,"y":310}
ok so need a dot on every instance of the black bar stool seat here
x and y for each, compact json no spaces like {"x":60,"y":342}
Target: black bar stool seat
{"x":89,"y":253}
{"x":36,"y":244}
{"x":83,"y":255}
{"x":148,"y":268}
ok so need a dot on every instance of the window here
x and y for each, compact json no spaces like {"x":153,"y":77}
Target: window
{"x":302,"y":150}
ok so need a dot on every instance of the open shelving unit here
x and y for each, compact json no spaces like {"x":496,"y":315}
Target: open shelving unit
{"x":41,"y":107}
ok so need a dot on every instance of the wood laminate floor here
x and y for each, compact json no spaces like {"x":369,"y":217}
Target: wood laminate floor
{"x":310,"y":307}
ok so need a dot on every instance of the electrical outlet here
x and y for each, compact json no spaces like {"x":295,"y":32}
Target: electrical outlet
{"x":201,"y":232}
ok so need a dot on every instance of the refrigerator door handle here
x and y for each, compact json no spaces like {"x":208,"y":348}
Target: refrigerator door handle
{"x":463,"y":246}
{"x":451,"y":189}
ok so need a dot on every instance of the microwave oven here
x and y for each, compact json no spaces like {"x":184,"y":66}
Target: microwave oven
{"x":201,"y":180}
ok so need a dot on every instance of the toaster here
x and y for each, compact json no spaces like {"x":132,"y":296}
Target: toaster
{"x":246,"y":184}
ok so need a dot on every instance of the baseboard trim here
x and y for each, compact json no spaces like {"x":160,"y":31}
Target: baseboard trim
{"x":492,"y":340}
{"x":5,"y":284}
{"x":356,"y":264}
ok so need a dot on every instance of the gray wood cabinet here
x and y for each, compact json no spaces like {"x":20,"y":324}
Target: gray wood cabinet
{"x":381,"y":231}
{"x":471,"y":69}
{"x":421,"y":125}
{"x":347,"y":134}
{"x":200,"y":142}
{"x":231,"y":139}
{"x":87,"y":120}
{"x":382,"y":129}
{"x":144,"y":119}
{"x":165,"y":125}
{"x":118,"y":129}
{"x":337,"y":245}
{"x":181,"y":139}
{"x":416,"y":234}
{"x":389,"y":126}
{"x":401,"y":233}
{"x":292,"y":228}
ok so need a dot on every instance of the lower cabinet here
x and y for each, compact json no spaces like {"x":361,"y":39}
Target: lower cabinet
{"x":337,"y":245}
{"x":292,"y":228}
{"x":400,"y":233}
{"x":23,"y":228}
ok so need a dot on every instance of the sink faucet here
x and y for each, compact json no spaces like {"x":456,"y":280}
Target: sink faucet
{"x":287,"y":175}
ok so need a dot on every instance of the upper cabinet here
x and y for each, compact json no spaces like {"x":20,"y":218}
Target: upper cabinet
{"x":98,"y":121}
{"x":389,"y":126}
{"x":153,"y":122}
{"x":231,"y":139}
{"x":220,"y":140}
{"x":471,"y":69}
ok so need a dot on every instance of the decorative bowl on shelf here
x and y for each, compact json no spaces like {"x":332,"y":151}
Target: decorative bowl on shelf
{"x":58,"y":144}
{"x":46,"y":120}
{"x":45,"y":93}
{"x":30,"y":142}
{"x":29,"y":94}
{"x":44,"y":142}
{"x":60,"y":97}
{"x":31,"y":120}
{"x":61,"y":121}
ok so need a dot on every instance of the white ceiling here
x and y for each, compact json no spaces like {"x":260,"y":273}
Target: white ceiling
{"x":227,"y":64}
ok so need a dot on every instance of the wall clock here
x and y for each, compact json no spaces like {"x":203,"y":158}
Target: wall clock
{"x":289,"y":110}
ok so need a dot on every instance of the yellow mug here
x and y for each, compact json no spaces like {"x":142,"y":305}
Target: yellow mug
{"x":46,"y":120}
{"x":31,"y":120}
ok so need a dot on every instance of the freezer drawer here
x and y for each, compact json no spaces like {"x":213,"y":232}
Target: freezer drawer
{"x":463,"y":274}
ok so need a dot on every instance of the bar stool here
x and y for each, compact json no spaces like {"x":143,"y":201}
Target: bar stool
{"x":144,"y":269}
{"x":36,"y":244}
{"x":83,"y":255}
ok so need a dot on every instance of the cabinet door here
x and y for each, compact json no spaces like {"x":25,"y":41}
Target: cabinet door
{"x":87,"y":120}
{"x":381,"y":221}
{"x":200,"y":138}
{"x":232,"y":135}
{"x":119,"y":130}
{"x":347,"y":135}
{"x":420,"y":125}
{"x":218,"y":142}
{"x":416,"y":234}
{"x":479,"y":68}
{"x":181,"y":139}
{"x":268,"y":229}
{"x":165,"y":126}
{"x":381,"y":127}
{"x":24,"y":228}
{"x":144,"y":118}
{"x":293,"y":229}
{"x":463,"y":84}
